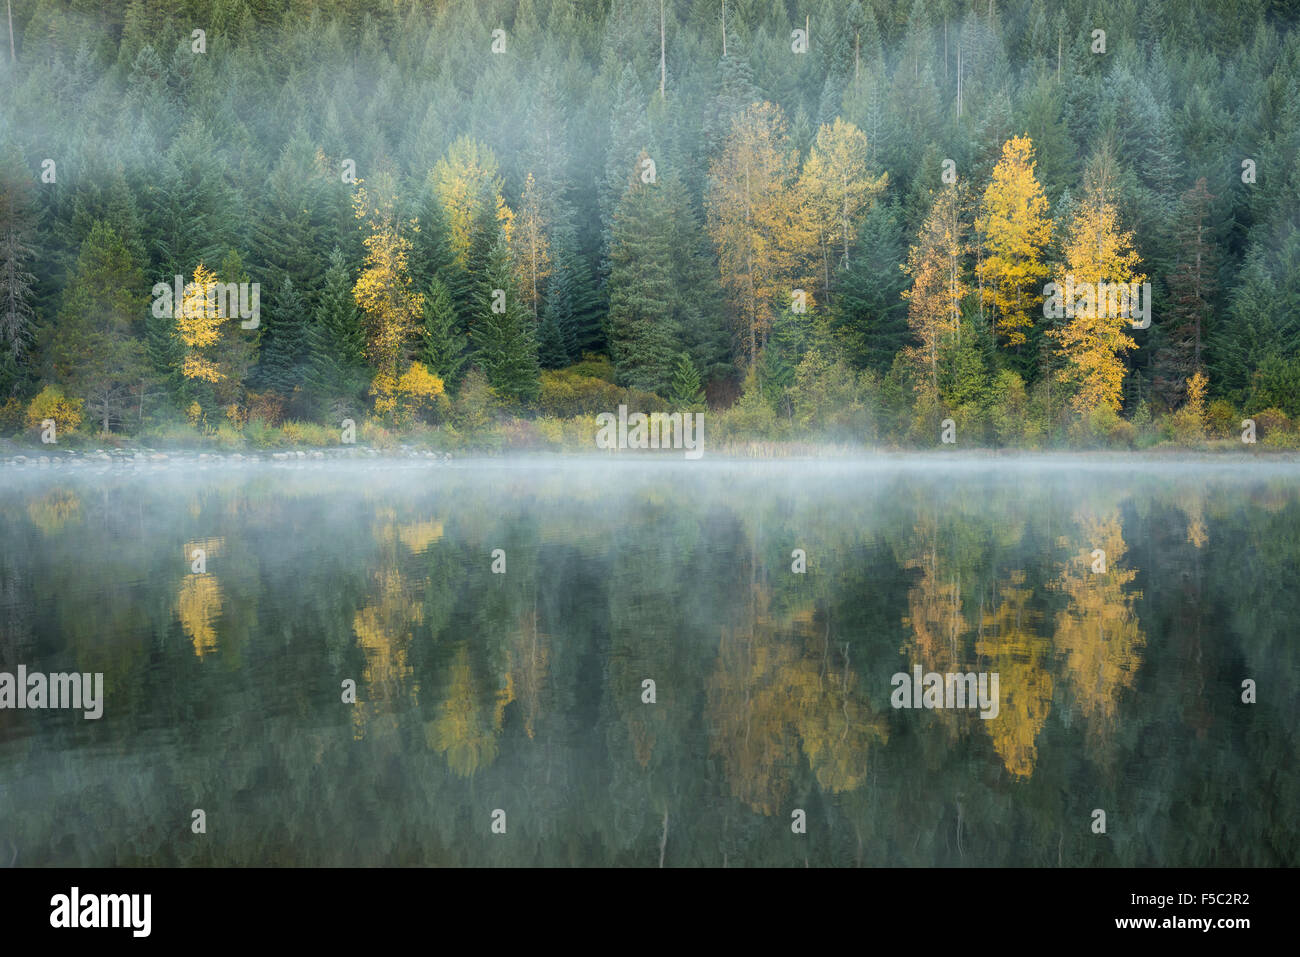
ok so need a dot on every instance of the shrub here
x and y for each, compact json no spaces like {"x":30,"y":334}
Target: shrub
{"x":12,"y":416}
{"x":826,"y":397}
{"x":307,"y":433}
{"x":228,"y":437}
{"x":1269,"y":421}
{"x":50,"y":403}
{"x":1009,"y":409}
{"x":1221,"y":420}
{"x":567,"y":393}
{"x":593,"y":366}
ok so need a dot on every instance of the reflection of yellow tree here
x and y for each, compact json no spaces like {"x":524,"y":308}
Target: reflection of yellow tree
{"x":54,"y":510}
{"x":383,"y":630}
{"x":1011,"y":645}
{"x":1193,"y":505}
{"x":529,"y":661}
{"x":835,"y":725}
{"x":464,"y":730}
{"x":934,"y":617}
{"x":417,"y":536}
{"x":772,"y":690}
{"x":198,"y":605}
{"x":1098,"y":633}
{"x":199,"y":601}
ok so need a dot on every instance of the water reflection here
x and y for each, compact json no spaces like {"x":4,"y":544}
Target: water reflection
{"x":650,"y":680}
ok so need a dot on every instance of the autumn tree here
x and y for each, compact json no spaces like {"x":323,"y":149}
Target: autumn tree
{"x":1014,"y":228}
{"x":1096,"y":250}
{"x":532,"y":248}
{"x":938,"y":285}
{"x":198,"y":323}
{"x":838,"y":189}
{"x":762,"y":236}
{"x":384,"y":293}
{"x":466,"y":180}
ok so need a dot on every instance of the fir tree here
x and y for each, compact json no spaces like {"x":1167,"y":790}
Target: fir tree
{"x":505,"y":344}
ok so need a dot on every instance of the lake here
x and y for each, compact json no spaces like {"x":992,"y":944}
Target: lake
{"x":643,"y":661}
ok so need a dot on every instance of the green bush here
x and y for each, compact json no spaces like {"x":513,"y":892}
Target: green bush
{"x":1222,"y":420}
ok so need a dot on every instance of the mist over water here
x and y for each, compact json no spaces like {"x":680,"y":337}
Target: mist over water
{"x":524,"y":690}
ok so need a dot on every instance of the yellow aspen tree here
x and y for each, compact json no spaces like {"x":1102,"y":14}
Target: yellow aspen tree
{"x":1094,"y":339}
{"x":383,"y":291}
{"x":531,"y":248}
{"x":938,"y":288}
{"x":463,"y":181}
{"x":757,"y":222}
{"x":199,"y":326}
{"x":838,"y":190}
{"x":1014,"y":226}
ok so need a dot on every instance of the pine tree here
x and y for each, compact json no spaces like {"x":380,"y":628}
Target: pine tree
{"x":17,"y":317}
{"x":284,"y":342}
{"x":572,"y":298}
{"x":336,"y":343}
{"x":552,"y":351}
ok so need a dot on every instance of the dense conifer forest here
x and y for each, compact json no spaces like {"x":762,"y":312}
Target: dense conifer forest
{"x":467,"y":223}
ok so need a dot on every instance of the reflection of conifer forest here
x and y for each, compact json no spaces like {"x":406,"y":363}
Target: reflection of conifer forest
{"x":524,"y":691}
{"x":481,"y":223}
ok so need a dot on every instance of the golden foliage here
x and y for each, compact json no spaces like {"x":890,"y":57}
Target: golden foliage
{"x":1015,"y":229}
{"x":1012,"y":645}
{"x":463,"y":181}
{"x":197,"y":605}
{"x":1098,"y":633}
{"x":1096,"y":251}
{"x":199,"y":326}
{"x":383,"y":291}
{"x":838,"y":188}
{"x":756,"y":221}
{"x":531,"y":248}
{"x":935,"y":267}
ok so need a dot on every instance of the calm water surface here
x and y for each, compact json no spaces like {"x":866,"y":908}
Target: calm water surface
{"x":525,"y":691}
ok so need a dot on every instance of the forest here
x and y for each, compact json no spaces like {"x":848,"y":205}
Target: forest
{"x":482,"y":224}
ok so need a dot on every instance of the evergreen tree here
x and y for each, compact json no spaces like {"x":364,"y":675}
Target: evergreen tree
{"x":96,"y":350}
{"x":442,"y":341}
{"x":336,"y":344}
{"x":685,"y":393}
{"x":869,"y":315}
{"x":505,"y":343}
{"x":280,"y":366}
{"x":641,"y":331}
